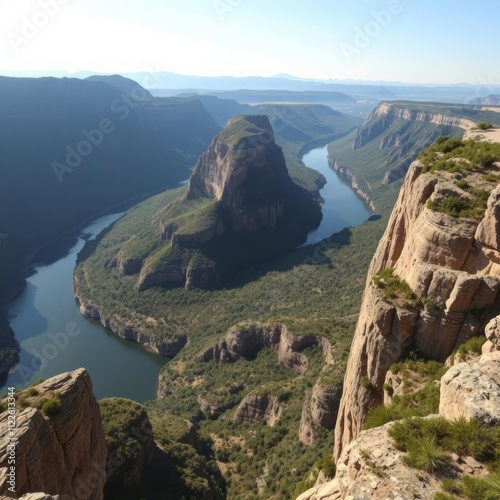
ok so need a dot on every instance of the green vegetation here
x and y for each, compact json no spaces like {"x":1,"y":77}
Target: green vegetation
{"x":484,"y":126}
{"x":435,"y":438}
{"x":393,"y":286}
{"x":454,"y":155}
{"x":420,"y":378}
{"x":50,"y":407}
{"x":119,"y":418}
{"x":472,"y":346}
{"x":427,"y":455}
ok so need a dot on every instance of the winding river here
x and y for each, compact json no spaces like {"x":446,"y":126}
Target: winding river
{"x":55,"y":337}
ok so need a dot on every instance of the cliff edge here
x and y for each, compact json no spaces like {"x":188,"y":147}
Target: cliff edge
{"x":60,"y":446}
{"x":434,"y":280}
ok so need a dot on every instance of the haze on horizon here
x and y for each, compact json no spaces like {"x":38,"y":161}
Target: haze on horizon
{"x":377,"y":40}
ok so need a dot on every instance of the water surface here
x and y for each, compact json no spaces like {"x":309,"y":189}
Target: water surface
{"x":341,"y":206}
{"x":56,"y":338}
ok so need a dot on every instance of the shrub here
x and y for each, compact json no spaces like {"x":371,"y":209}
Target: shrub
{"x":462,"y":184}
{"x":474,"y":488}
{"x":366,"y":383}
{"x":392,"y":285}
{"x":473,"y":345}
{"x":455,"y":206}
{"x":426,"y":455}
{"x":484,"y":126}
{"x":52,"y":406}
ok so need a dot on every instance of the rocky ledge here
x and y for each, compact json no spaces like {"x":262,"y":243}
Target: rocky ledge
{"x":452,"y":266}
{"x":60,"y":447}
{"x":168,"y":348}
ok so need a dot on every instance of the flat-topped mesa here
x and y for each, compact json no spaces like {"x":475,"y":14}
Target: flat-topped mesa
{"x":386,"y":113}
{"x":434,"y":280}
{"x":245,"y":171}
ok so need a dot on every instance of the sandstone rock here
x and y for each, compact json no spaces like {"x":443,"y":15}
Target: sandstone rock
{"x":468,"y":392}
{"x":255,"y":407}
{"x":488,"y":232}
{"x":247,"y":340}
{"x":40,"y":496}
{"x":445,"y":261}
{"x":370,"y":467}
{"x":62,"y":454}
{"x":492,"y":332}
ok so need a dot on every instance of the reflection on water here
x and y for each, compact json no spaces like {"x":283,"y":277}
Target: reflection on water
{"x":55,"y":337}
{"x":341,"y":207}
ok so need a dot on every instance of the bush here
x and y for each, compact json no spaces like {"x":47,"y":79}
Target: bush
{"x":366,"y":383}
{"x":473,"y":345}
{"x":52,"y":406}
{"x":426,"y":455}
{"x":392,"y":285}
{"x":484,"y":126}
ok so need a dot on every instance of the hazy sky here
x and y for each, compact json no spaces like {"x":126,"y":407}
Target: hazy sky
{"x":420,"y":41}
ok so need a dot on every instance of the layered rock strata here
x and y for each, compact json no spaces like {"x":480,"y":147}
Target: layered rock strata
{"x":453,"y":266}
{"x":61,"y":454}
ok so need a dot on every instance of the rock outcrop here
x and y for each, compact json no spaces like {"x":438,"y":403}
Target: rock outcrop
{"x":471,"y":389}
{"x":247,"y":340}
{"x":370,"y":467}
{"x":470,"y":392}
{"x":255,"y":407}
{"x":135,"y":435}
{"x":450,"y":263}
{"x":61,"y":448}
{"x":385,"y":114}
{"x":167,"y":348}
{"x":240,"y":206}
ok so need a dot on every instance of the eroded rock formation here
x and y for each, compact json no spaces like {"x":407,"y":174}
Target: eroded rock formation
{"x":385,"y":113}
{"x":255,"y":407}
{"x":239,"y":198}
{"x":247,"y":340}
{"x":452,"y":266}
{"x":61,"y":454}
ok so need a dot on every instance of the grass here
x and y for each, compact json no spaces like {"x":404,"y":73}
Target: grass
{"x":419,"y":376}
{"x":393,"y":286}
{"x":453,"y":155}
{"x":427,"y":441}
{"x":472,"y":346}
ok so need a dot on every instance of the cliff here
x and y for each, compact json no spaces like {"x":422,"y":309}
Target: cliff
{"x":60,"y":440}
{"x":443,"y":269}
{"x":241,"y":208}
{"x":373,"y":466}
{"x":386,"y":113}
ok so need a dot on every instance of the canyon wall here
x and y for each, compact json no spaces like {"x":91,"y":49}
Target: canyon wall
{"x":452,"y":264}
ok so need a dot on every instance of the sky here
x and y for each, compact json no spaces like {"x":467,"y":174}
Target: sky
{"x":415,"y":41}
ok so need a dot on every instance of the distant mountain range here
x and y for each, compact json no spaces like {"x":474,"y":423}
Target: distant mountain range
{"x":358,"y":89}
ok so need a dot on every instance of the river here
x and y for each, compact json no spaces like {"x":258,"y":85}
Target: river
{"x":341,"y":206}
{"x":55,"y":337}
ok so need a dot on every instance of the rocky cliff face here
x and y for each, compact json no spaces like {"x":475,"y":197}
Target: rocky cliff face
{"x":386,"y":113}
{"x":255,"y":407}
{"x":234,"y":169}
{"x":247,"y":340}
{"x":371,"y":467}
{"x":60,"y":450}
{"x":241,"y":206}
{"x":452,"y":264}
